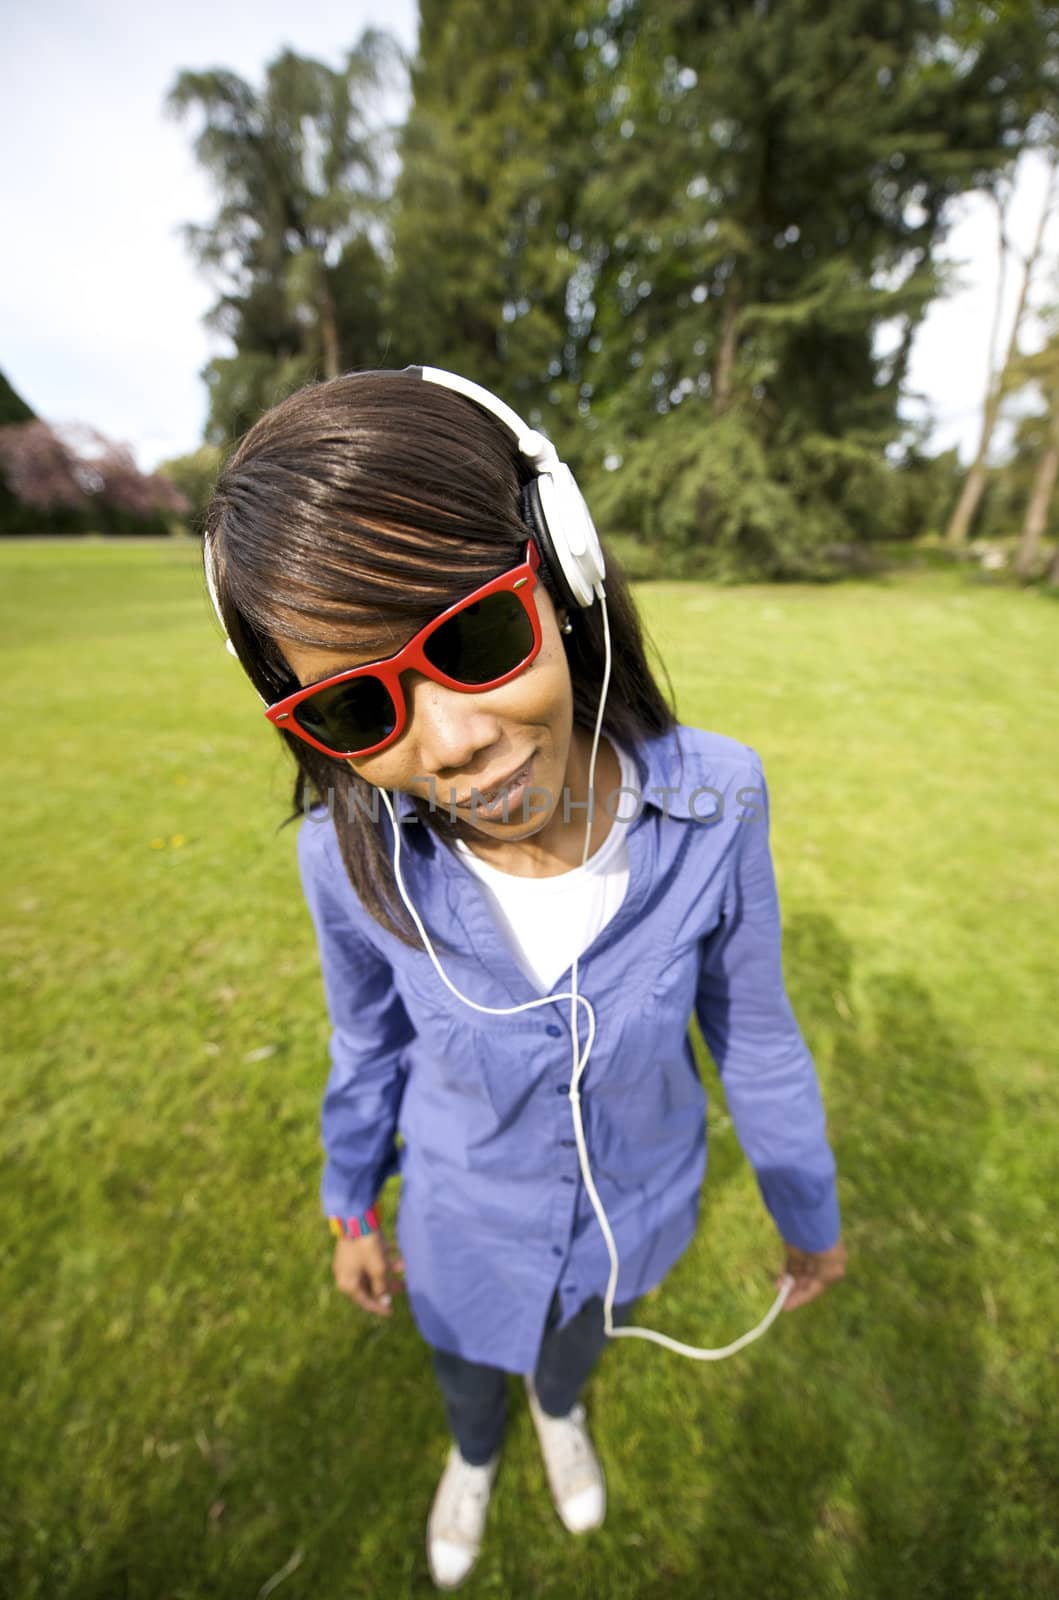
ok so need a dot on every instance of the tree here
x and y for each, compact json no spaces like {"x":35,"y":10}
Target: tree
{"x":40,"y":468}
{"x":688,"y":222}
{"x":51,"y":473}
{"x":12,"y":406}
{"x":1037,"y":507}
{"x":1042,"y":370}
{"x":782,"y":175}
{"x":637,"y":209}
{"x":1001,"y":368}
{"x":295,"y":245}
{"x":495,"y":155}
{"x":14,"y":516}
{"x":195,"y":475}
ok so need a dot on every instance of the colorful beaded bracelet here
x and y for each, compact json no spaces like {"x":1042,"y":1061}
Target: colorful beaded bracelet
{"x":354,"y":1227}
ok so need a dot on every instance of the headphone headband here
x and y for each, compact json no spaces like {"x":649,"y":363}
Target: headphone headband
{"x":538,"y":450}
{"x":552,"y":504}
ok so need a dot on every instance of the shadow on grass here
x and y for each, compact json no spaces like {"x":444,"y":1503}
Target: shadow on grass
{"x":852,"y":1466}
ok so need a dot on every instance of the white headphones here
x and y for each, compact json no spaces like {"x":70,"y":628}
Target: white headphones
{"x":555,"y":511}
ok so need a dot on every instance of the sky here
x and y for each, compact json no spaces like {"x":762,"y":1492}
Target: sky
{"x":101,"y":306}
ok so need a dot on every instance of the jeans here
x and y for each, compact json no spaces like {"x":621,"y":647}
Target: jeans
{"x":476,"y":1395}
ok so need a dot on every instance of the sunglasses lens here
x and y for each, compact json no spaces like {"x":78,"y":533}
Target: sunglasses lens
{"x":483,"y":641}
{"x":350,"y":716}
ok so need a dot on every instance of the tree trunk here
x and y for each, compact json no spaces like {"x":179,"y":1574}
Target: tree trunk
{"x":328,"y":327}
{"x":722,"y":378}
{"x":973,"y":486}
{"x":960,"y":522}
{"x":1036,"y":519}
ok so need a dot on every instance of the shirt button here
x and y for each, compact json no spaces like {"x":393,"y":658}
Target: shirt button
{"x":556,"y":1250}
{"x":553,"y":1030}
{"x":562,"y":1088}
{"x":569,"y":1180}
{"x":567,"y":1143}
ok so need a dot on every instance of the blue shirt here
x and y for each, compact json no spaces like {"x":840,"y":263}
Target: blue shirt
{"x":493,"y":1215}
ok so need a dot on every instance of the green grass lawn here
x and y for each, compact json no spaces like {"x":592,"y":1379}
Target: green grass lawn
{"x":190,"y":1409}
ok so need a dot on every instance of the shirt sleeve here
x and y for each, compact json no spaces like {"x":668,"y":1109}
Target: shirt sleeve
{"x":764,"y":1063}
{"x":370,"y":1029}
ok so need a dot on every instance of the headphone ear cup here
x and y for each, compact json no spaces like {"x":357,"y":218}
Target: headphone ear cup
{"x":555,"y":508}
{"x":534,"y":518}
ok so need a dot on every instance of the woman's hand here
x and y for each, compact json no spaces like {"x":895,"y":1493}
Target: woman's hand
{"x":812,"y":1274}
{"x":367,"y":1270}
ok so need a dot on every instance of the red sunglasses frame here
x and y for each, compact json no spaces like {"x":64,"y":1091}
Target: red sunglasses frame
{"x":520,"y":580}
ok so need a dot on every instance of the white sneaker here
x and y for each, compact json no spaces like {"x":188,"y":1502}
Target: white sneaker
{"x":457,"y":1518}
{"x":574,"y":1473}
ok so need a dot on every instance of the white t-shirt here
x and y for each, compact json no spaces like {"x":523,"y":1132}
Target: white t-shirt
{"x":548,"y":921}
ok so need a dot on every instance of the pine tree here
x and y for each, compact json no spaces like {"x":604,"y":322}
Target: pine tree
{"x":494,"y":158}
{"x":783,"y":173}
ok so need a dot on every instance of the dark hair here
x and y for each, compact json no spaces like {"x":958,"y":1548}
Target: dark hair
{"x":352,"y":513}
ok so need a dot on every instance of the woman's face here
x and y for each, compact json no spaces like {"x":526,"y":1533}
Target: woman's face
{"x":454,"y":743}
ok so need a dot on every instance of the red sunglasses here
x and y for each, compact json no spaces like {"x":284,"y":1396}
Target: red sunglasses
{"x":480,"y":643}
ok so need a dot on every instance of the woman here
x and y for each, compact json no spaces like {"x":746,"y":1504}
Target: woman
{"x":412,"y":581}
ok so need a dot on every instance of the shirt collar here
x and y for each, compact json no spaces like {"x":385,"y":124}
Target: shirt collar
{"x":673,"y":772}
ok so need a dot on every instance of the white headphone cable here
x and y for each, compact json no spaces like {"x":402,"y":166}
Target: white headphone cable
{"x":579,"y":1064}
{"x":575,"y":1102}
